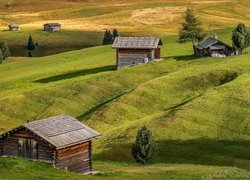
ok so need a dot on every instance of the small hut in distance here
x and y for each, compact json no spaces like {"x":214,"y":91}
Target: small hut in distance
{"x":14,"y":27}
{"x":52,"y":27}
{"x":132,"y":51}
{"x":214,"y":48}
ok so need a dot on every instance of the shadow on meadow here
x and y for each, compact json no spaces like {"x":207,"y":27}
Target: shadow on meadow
{"x":75,"y":74}
{"x":182,"y":57}
{"x":198,"y":151}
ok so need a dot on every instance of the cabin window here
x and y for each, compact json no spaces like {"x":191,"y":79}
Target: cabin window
{"x":27,"y":148}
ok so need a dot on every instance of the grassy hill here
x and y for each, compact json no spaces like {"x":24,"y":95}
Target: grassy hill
{"x":84,"y":21}
{"x":12,"y":168}
{"x":197,"y":109}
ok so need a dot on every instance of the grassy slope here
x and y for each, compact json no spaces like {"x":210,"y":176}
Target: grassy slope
{"x":84,"y":21}
{"x":198,"y":109}
{"x":13,"y":168}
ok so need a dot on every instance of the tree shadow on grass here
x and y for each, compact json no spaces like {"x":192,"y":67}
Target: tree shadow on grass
{"x":198,"y":151}
{"x":75,"y":74}
{"x":183,"y":57}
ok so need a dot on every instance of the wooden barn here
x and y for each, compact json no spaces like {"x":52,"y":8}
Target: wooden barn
{"x":214,"y":48}
{"x":61,"y":141}
{"x":52,"y":27}
{"x":132,"y":51}
{"x":14,"y":27}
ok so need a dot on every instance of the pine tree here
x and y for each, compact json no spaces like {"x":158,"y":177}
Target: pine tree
{"x":191,"y":28}
{"x":115,"y":34}
{"x":31,"y":45}
{"x":240,"y":38}
{"x":30,"y":54}
{"x":143,"y":150}
{"x":5,"y":52}
{"x":107,"y":38}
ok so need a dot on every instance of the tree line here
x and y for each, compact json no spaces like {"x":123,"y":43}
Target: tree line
{"x":108,"y":37}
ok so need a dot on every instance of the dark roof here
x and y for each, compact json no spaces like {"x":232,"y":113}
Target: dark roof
{"x":61,"y":131}
{"x":217,"y":47}
{"x":52,"y":24}
{"x":137,"y":42}
{"x":210,"y":42}
{"x":14,"y":25}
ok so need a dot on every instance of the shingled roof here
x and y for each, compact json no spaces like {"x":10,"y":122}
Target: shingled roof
{"x":210,"y":42}
{"x":61,"y":131}
{"x":14,"y":25}
{"x":52,"y":24}
{"x":137,"y":42}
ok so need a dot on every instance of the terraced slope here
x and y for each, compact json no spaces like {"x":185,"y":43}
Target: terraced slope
{"x":198,"y":109}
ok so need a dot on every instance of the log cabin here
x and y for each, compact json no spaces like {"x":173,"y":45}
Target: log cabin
{"x":214,"y":48}
{"x":52,"y":27}
{"x":14,"y":27}
{"x":132,"y":51}
{"x":61,"y":141}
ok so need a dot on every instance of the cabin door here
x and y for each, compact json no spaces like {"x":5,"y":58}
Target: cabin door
{"x":27,"y":148}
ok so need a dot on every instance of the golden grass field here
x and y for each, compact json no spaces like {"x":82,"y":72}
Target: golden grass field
{"x":137,"y":16}
{"x":84,"y":21}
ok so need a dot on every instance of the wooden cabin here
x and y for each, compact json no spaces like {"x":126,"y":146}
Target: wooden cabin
{"x":14,"y":27}
{"x":52,"y":27}
{"x":132,"y":51}
{"x":214,"y":48}
{"x":61,"y":141}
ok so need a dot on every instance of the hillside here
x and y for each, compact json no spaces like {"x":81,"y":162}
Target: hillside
{"x":84,"y":21}
{"x":12,"y":168}
{"x":197,"y":109}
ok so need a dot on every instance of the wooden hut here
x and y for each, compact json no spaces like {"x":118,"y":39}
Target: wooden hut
{"x":132,"y":51}
{"x":61,"y":141}
{"x":214,"y":48}
{"x":14,"y":27}
{"x":52,"y":27}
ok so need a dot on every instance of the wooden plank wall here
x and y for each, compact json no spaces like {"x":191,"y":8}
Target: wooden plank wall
{"x":147,"y":52}
{"x":45,"y":152}
{"x":130,"y":57}
{"x":75,"y":158}
{"x":1,"y":147}
{"x":10,"y":145}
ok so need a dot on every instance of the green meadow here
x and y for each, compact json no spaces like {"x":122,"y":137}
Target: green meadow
{"x":197,"y":109}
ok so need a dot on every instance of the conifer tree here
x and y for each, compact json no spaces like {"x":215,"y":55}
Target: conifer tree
{"x":5,"y":52}
{"x":191,"y":29}
{"x":30,"y":54}
{"x":143,"y":150}
{"x":241,"y":38}
{"x":115,"y":34}
{"x":31,"y":45}
{"x":107,"y":38}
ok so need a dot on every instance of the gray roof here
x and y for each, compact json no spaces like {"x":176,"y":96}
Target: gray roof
{"x":210,"y":42}
{"x":137,"y":42}
{"x":14,"y":25}
{"x":52,"y":24}
{"x":62,"y":131}
{"x":217,"y":47}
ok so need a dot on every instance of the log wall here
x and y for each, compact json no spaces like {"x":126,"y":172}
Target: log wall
{"x":1,"y":147}
{"x":131,"y":57}
{"x":75,"y":158}
{"x":10,"y":146}
{"x":45,"y":152}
